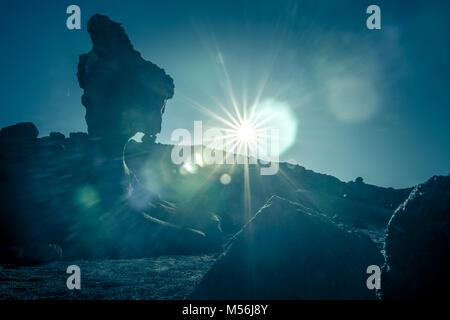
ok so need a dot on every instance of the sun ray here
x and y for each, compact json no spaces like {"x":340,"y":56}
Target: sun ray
{"x":228,"y":81}
{"x":203,"y":109}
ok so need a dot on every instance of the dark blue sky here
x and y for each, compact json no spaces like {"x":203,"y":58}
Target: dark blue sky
{"x":365,"y":103}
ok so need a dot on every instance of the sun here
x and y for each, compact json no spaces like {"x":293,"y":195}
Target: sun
{"x":246,"y":132}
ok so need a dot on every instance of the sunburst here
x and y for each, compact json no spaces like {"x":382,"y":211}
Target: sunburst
{"x":244,"y":136}
{"x":246,"y":131}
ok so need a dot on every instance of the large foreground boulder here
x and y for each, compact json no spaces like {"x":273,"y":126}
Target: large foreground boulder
{"x":287,"y":251}
{"x":418,"y":244}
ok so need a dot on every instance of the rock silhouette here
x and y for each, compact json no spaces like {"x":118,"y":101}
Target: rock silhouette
{"x":418,"y":244}
{"x":288,"y":251}
{"x":123,"y":93}
{"x":21,"y":132}
{"x":75,"y":192}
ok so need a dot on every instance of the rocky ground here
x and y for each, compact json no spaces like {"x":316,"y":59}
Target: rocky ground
{"x":165,"y":277}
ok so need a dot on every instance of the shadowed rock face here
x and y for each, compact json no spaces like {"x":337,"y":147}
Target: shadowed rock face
{"x":16,"y":141}
{"x":418,"y":244}
{"x":123,"y":93}
{"x":24,"y":131}
{"x":287,"y":251}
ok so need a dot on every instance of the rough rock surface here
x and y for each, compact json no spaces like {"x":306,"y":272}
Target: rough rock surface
{"x":123,"y":93}
{"x":418,"y":244}
{"x":16,"y":141}
{"x":53,"y":190}
{"x":24,"y":131}
{"x":287,"y":251}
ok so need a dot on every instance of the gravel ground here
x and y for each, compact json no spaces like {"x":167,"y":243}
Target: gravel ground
{"x":165,"y":277}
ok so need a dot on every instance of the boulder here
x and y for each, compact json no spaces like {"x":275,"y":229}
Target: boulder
{"x":17,"y":142}
{"x":287,"y":251}
{"x":417,"y":246}
{"x":24,"y":131}
{"x":57,"y":136}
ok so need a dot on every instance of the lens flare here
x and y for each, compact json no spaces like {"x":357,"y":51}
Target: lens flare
{"x":225,"y":178}
{"x":258,"y":129}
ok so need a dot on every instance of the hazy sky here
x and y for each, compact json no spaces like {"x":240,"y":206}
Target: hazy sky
{"x":370,"y":103}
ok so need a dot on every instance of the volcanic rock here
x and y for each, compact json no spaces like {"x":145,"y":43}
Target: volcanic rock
{"x":16,"y":141}
{"x":287,"y":251}
{"x":23,"y":131}
{"x":123,"y":93}
{"x":418,"y":244}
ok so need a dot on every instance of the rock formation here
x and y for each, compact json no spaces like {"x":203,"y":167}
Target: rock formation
{"x":418,"y":244}
{"x":16,"y":141}
{"x":123,"y":93}
{"x":24,"y":131}
{"x":287,"y":251}
{"x":72,"y":193}
{"x":55,"y":194}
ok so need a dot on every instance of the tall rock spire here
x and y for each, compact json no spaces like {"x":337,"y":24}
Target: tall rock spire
{"x":123,"y":93}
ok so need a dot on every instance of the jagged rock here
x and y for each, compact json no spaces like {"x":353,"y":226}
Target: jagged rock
{"x":418,"y":244}
{"x":53,"y":141}
{"x":57,"y":136}
{"x":17,"y":141}
{"x":79,"y":139}
{"x":19,"y":132}
{"x":123,"y":93}
{"x":287,"y":251}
